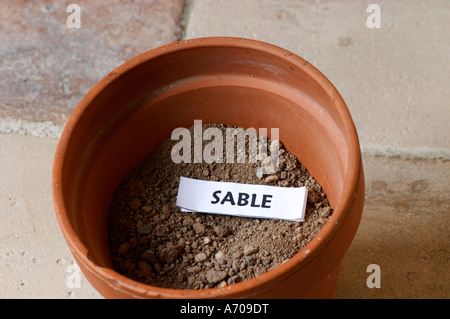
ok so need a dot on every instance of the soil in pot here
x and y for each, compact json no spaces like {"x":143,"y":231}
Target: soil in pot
{"x":153,"y":242}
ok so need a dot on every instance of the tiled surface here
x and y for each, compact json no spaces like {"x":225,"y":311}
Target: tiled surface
{"x":46,"y":67}
{"x":393,"y":79}
{"x":33,"y":254}
{"x":404,"y":228}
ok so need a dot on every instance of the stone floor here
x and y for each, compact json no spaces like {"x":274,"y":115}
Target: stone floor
{"x":393,"y":78}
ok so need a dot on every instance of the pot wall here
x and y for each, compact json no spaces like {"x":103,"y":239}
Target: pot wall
{"x":221,"y":80}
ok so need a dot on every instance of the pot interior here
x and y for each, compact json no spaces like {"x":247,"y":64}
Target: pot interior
{"x":137,"y":106}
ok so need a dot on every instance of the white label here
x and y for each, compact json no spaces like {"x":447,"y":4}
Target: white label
{"x":245,"y":200}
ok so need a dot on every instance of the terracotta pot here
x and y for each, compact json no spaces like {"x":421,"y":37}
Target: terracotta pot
{"x":218,"y":80}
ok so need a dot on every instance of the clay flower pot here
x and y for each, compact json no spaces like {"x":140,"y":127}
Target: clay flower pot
{"x":232,"y":81}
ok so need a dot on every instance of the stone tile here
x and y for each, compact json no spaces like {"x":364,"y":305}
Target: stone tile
{"x":37,"y":265}
{"x":34,"y":256}
{"x":404,"y":230}
{"x":392,"y":78}
{"x":46,"y":67}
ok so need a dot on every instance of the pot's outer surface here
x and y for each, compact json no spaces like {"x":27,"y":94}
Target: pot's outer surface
{"x":232,"y":81}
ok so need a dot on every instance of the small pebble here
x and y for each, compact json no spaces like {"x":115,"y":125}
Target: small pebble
{"x":145,"y":268}
{"x":267,"y":162}
{"x":234,"y":280}
{"x":191,"y":280}
{"x":200,"y":257}
{"x":250,"y":249}
{"x":275,"y":146}
{"x":250,"y":260}
{"x":194,"y":269}
{"x":214,"y":276}
{"x":325,"y":212}
{"x":166,"y":209}
{"x":146,"y":229}
{"x":199,"y":228}
{"x":219,"y":256}
{"x":272,"y":179}
{"x":187,"y":221}
{"x":298,"y":238}
{"x":313,"y":196}
{"x":221,"y":231}
{"x":146,"y":209}
{"x":157,"y":267}
{"x":237,"y":255}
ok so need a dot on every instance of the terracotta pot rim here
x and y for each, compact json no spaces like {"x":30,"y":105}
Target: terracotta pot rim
{"x":302,"y":258}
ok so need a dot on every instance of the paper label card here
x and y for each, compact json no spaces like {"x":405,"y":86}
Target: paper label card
{"x":244,"y":200}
